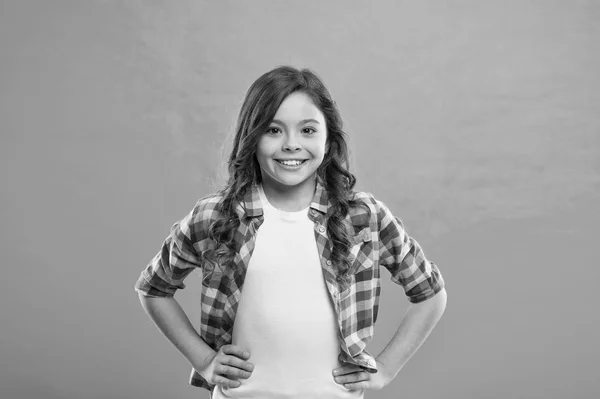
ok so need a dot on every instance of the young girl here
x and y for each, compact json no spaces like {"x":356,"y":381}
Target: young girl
{"x":290,"y":258}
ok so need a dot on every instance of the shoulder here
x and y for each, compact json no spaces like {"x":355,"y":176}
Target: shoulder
{"x":379,"y":214}
{"x":206,"y":210}
{"x":368,"y":199}
{"x":364,"y":197}
{"x":366,"y":208}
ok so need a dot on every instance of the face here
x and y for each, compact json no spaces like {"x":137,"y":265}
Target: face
{"x":291,"y":150}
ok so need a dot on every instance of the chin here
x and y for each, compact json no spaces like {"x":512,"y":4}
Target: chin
{"x":292,"y":182}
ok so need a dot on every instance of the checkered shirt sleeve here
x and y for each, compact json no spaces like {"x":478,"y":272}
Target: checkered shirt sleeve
{"x":176,"y":259}
{"x":403,"y":257}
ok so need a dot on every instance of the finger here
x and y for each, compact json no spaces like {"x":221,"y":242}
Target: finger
{"x":232,"y":372}
{"x":346,"y":370}
{"x":237,"y":362}
{"x":226,"y":382}
{"x":355,"y":386}
{"x":352,"y":377}
{"x":236,"y":351}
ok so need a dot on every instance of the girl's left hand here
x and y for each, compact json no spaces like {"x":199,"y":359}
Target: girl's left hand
{"x":354,"y":378}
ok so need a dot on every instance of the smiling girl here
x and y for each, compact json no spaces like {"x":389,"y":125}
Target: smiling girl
{"x":290,"y":258}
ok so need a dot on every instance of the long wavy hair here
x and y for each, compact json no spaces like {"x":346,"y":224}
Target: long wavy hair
{"x":260,"y":105}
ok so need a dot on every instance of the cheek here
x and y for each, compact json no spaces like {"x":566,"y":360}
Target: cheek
{"x":262,"y":152}
{"x":263,"y":161}
{"x":323,"y":149}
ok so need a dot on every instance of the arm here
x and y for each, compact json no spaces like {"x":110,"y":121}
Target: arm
{"x":163,"y":276}
{"x":172,"y":321}
{"x":416,"y":325}
{"x":179,"y":256}
{"x":224,"y":367}
{"x":423,"y":285}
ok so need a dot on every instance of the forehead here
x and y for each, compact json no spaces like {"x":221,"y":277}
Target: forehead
{"x":297,"y":106}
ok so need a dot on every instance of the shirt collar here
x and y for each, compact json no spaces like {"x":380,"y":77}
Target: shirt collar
{"x":253,"y":205}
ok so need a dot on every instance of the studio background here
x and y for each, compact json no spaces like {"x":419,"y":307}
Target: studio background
{"x":476,"y":122}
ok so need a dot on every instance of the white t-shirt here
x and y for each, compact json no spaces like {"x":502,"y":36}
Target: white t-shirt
{"x":285,"y":317}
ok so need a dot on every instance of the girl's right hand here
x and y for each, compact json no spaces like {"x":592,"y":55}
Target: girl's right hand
{"x":226,"y":366}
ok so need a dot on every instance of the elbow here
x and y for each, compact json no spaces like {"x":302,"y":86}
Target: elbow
{"x":436,"y":305}
{"x":441,"y":296}
{"x":440,"y":301}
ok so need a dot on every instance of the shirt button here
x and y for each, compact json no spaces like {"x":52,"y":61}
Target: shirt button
{"x":322,"y":229}
{"x":328,"y":263}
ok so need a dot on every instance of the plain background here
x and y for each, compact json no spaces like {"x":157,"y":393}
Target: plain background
{"x":476,"y":122}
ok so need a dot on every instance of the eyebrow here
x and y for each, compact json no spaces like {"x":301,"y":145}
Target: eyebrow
{"x":303,"y":121}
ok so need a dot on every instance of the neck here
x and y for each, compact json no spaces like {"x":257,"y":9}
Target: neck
{"x":290,"y":198}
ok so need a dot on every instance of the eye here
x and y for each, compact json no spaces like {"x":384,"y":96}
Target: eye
{"x":309,"y":130}
{"x":271,"y":130}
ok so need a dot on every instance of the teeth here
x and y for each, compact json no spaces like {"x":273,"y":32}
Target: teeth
{"x":291,"y":163}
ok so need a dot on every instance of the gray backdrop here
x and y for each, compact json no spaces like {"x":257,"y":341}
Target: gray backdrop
{"x":476,"y":122}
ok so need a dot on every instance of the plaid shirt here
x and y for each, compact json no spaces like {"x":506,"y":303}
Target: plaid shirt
{"x":377,"y":240}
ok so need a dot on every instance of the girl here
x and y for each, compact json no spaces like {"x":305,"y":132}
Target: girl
{"x":290,"y":258}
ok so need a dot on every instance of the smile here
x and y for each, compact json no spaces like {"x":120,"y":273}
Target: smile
{"x":295,"y":162}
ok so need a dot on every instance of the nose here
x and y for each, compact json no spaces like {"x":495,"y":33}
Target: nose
{"x":291,"y":143}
